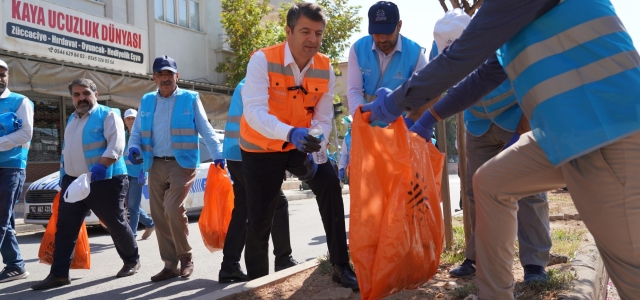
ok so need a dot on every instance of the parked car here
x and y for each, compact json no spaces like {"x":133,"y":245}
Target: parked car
{"x":40,"y":194}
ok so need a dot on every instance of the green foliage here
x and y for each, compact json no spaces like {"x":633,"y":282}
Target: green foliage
{"x":242,"y":20}
{"x":456,"y":254}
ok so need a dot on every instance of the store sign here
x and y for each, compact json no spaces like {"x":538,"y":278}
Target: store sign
{"x":45,"y":29}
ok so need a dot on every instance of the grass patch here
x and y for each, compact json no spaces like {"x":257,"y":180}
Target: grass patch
{"x":456,"y":254}
{"x":558,"y":281}
{"x":325,"y":266}
{"x":462,"y":292}
{"x":566,"y":241}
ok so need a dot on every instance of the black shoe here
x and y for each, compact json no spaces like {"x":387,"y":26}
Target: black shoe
{"x":345,"y":276}
{"x":51,"y":282}
{"x":128,"y":270}
{"x":467,"y":268}
{"x":292,"y":262}
{"x":534,"y":273}
{"x":232,"y":274}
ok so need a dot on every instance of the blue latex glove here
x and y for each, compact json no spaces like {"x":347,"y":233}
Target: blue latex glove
{"x":134,"y":156}
{"x":512,"y":141}
{"x":219,"y":163}
{"x":341,"y":174}
{"x":409,"y":122}
{"x":303,"y":141}
{"x":98,"y":172}
{"x":424,"y":126}
{"x":142,"y":177}
{"x":312,"y":168}
{"x":382,"y":109}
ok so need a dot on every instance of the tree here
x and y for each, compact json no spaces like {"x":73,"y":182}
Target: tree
{"x":242,"y":20}
{"x":469,"y":8}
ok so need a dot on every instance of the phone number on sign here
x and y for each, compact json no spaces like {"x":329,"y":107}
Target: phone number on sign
{"x":83,"y":56}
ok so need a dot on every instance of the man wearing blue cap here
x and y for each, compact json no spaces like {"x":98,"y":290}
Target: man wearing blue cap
{"x":166,"y":137}
{"x":14,"y":147}
{"x":384,"y":58}
{"x":575,"y":73}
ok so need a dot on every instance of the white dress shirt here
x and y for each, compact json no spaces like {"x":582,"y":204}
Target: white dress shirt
{"x":255,"y":97}
{"x":355,"y":84}
{"x":25,"y":133}
{"x":74,"y":159}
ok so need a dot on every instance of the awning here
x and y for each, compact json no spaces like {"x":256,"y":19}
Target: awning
{"x":54,"y":79}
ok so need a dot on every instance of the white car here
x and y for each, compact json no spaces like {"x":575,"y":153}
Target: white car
{"x":40,"y":194}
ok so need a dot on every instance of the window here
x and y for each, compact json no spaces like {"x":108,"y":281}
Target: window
{"x":186,"y":12}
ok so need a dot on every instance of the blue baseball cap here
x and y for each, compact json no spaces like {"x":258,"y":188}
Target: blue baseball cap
{"x":165,"y":63}
{"x":383,"y":18}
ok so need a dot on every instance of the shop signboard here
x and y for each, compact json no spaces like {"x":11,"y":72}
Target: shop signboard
{"x":48,"y":30}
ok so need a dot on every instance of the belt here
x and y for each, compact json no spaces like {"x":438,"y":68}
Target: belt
{"x":165,"y":158}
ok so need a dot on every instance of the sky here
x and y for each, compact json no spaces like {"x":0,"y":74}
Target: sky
{"x":420,"y":16}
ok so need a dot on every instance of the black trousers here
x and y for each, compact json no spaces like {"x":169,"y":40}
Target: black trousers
{"x":237,"y":232}
{"x":106,"y":200}
{"x":263,"y":177}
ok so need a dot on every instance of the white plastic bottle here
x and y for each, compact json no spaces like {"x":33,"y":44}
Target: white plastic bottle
{"x":315,"y":130}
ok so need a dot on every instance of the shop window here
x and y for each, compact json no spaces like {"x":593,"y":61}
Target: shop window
{"x":187,"y":12}
{"x":45,"y":143}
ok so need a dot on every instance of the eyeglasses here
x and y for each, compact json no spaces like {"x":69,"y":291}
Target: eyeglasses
{"x":298,"y":87}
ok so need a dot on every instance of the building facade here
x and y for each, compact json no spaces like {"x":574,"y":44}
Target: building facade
{"x":47,"y":44}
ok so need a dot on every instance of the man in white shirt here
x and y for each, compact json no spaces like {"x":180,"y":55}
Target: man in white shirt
{"x":14,"y":147}
{"x":287,"y":86}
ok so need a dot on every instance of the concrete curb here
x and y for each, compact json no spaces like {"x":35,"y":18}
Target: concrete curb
{"x":591,"y":277}
{"x":274,"y":278}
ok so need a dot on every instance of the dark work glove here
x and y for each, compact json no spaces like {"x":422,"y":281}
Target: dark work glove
{"x":142,"y":177}
{"x":303,"y":141}
{"x":98,"y":172}
{"x":424,"y":126}
{"x":312,"y":168}
{"x":341,"y":174}
{"x":219,"y":163}
{"x":382,"y":108}
{"x":134,"y":156}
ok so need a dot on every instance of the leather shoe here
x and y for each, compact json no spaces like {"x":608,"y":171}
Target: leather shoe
{"x":147,"y":233}
{"x":232,"y":274}
{"x":165,"y":274}
{"x":128,"y":270}
{"x":186,"y":267}
{"x":292,"y":262}
{"x":533,"y":273}
{"x":345,"y":276}
{"x":51,"y":282}
{"x":467,"y":268}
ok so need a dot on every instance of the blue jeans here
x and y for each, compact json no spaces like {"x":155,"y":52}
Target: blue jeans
{"x":136,"y":213}
{"x":11,"y":182}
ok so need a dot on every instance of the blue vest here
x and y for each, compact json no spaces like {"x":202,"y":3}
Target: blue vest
{"x":132,"y":170}
{"x":17,"y":156}
{"x":580,"y":94}
{"x":499,"y":107}
{"x":398,"y":71}
{"x":184,"y":136}
{"x":347,"y":138}
{"x":94,"y":143}
{"x":230,"y":146}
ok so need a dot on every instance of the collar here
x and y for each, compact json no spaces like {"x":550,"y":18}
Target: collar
{"x":397,"y":48}
{"x":175,"y":92}
{"x":6,"y":93}
{"x":288,"y":57}
{"x":75,"y":113}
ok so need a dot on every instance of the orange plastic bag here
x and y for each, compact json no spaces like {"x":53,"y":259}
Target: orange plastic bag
{"x":395,"y":229}
{"x":81,"y":255}
{"x":216,"y":213}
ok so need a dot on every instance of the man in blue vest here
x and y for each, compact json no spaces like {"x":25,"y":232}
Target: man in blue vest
{"x":576,"y":75}
{"x":165,"y":136}
{"x":490,"y":125}
{"x":93,"y":142}
{"x":230,"y":270}
{"x":384,"y":58}
{"x":14,"y":147}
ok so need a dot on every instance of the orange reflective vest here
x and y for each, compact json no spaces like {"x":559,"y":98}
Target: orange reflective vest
{"x":291,"y":106}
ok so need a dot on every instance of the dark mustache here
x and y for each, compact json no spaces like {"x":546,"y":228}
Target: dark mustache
{"x":83,"y":102}
{"x":165,"y":82}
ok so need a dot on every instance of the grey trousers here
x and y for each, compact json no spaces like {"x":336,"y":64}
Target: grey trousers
{"x":533,"y":211}
{"x":604,"y":187}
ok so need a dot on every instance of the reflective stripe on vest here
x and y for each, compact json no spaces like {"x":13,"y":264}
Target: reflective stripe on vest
{"x":184,"y":136}
{"x":575,"y":72}
{"x":397,"y":72}
{"x":500,"y":107}
{"x":231,"y":146}
{"x":17,"y":156}
{"x":293,"y":107}
{"x":94,"y":143}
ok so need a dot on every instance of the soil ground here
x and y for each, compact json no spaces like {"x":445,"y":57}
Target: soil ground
{"x":315,"y":282}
